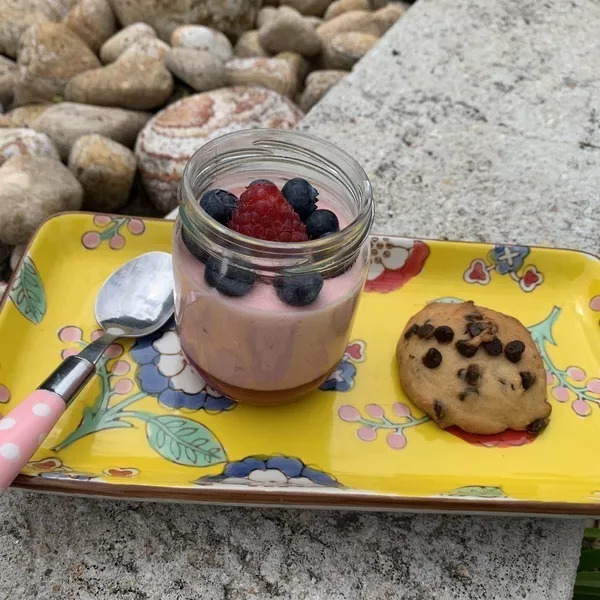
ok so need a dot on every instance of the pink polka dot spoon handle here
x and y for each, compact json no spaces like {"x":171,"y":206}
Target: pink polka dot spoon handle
{"x":134,"y":301}
{"x":24,"y":429}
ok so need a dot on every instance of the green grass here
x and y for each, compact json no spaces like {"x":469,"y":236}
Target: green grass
{"x":587,"y":582}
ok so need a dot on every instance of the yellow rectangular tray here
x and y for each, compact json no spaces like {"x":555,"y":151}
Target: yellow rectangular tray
{"x":147,"y":427}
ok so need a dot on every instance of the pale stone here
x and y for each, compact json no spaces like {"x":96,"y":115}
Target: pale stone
{"x":20,"y":141}
{"x":105,"y":169}
{"x":118,"y":43}
{"x":199,"y":37}
{"x":135,"y":82}
{"x":200,"y":69}
{"x":49,"y":55}
{"x":31,"y":190}
{"x":248,"y":46}
{"x":273,"y":73}
{"x":93,"y":21}
{"x":64,"y":123}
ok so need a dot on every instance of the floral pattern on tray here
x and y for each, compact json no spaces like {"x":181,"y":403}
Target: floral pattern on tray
{"x":505,"y":260}
{"x":271,"y":471}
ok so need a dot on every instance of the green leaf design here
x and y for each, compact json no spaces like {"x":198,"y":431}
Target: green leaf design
{"x":481,"y":491}
{"x":184,"y":441}
{"x":28,"y":292}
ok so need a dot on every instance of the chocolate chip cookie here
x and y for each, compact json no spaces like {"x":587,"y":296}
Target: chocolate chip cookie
{"x":473,"y":367}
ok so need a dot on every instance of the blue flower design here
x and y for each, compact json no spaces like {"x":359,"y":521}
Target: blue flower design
{"x":163,"y":373}
{"x":274,"y":471}
{"x":508,"y":259}
{"x":342,"y":379}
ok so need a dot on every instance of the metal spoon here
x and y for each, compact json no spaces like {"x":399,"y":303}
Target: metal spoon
{"x":134,"y":301}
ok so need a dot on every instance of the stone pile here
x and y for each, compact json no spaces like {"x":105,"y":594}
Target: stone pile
{"x":102,"y":102}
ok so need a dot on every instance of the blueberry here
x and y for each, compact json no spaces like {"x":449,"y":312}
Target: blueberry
{"x":230,"y":280}
{"x":302,"y":196}
{"x":219,"y":204}
{"x":299,"y":290}
{"x":321,"y":223}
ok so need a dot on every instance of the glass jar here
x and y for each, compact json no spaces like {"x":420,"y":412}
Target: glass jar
{"x":249,"y":344}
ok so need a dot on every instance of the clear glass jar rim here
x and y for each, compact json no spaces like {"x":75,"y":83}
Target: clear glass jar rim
{"x":259,"y":141}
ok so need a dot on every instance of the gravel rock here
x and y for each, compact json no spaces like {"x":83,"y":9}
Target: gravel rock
{"x":17,"y":15}
{"x":49,"y":55}
{"x":135,"y":82}
{"x":300,"y":65}
{"x":355,"y":20}
{"x":118,"y":43}
{"x":342,"y":6}
{"x":199,"y":37}
{"x":314,"y":21}
{"x":64,"y":123}
{"x":164,"y":146}
{"x":385,"y":17}
{"x":23,"y":116}
{"x":345,"y":49}
{"x":266,"y":13}
{"x":9,"y":75}
{"x":248,"y":45}
{"x":32,"y":189}
{"x":147,"y":47}
{"x":200,"y":69}
{"x":273,"y":73}
{"x":229,"y":16}
{"x":308,"y":7}
{"x":25,"y":142}
{"x":289,"y":31}
{"x":317,"y":84}
{"x":93,"y":21}
{"x":105,"y":169}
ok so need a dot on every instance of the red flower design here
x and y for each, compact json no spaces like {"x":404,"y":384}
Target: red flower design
{"x":477,"y":272}
{"x":394,"y":262}
{"x":506,"y":439}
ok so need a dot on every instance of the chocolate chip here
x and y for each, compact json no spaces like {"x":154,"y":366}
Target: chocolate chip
{"x":493,"y":347}
{"x":444,"y":334}
{"x":512,"y":386}
{"x":460,"y":373}
{"x":425,"y":331}
{"x":537,"y":426}
{"x":466,"y":349}
{"x":410,"y":331}
{"x":474,"y":317}
{"x":438,"y":408}
{"x":470,"y":391}
{"x":472,"y":374}
{"x":502,"y":381}
{"x":527,"y":379}
{"x":432,"y":358}
{"x":475,"y":328}
{"x":513,"y":350}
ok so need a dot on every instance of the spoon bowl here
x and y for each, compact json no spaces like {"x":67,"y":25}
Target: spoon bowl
{"x":137,"y":298}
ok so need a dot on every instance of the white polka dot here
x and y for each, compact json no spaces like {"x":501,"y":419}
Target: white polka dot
{"x":10,"y":451}
{"x":42,"y":437}
{"x":7,"y":423}
{"x":41,"y":410}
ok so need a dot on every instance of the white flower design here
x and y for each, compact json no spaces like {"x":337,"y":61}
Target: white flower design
{"x":386,"y":255}
{"x":172,"y":364}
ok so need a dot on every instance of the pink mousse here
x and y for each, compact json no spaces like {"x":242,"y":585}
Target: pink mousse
{"x":256,"y":341}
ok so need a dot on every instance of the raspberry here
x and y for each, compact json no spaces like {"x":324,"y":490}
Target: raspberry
{"x":263,"y":213}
